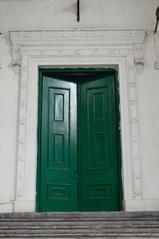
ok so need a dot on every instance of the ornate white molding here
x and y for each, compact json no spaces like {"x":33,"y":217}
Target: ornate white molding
{"x":105,"y":42}
{"x":156,"y":50}
{"x":16,"y":65}
{"x":139,"y":56}
{"x":50,"y":38}
{"x":122,"y":49}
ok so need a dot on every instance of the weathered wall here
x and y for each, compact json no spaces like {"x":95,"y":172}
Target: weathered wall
{"x":53,"y":14}
{"x":61,"y":13}
{"x":148,"y":97}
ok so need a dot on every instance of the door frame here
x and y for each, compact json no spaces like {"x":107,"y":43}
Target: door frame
{"x":118,"y":133}
{"x":121,"y":49}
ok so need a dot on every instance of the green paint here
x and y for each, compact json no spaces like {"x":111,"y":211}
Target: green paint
{"x":78,"y":153}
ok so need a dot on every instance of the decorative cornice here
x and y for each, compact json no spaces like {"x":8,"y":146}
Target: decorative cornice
{"x":80,"y":38}
{"x":95,"y":41}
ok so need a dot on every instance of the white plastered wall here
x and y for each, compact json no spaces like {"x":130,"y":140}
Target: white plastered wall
{"x":37,"y":14}
{"x":148,"y":98}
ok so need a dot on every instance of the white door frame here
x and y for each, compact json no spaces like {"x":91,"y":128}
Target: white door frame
{"x":120,"y":49}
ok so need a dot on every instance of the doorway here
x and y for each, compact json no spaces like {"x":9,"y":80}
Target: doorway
{"x":78,"y":141}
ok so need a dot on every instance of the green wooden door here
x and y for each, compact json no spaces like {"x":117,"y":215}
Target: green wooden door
{"x":98,"y":159}
{"x":79,"y":163}
{"x":58,"y":181}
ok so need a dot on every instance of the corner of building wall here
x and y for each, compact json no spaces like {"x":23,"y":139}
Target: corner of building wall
{"x":151,"y":204}
{"x":6,"y":207}
{"x":142,"y":205}
{"x":134,"y":205}
{"x":24,"y":206}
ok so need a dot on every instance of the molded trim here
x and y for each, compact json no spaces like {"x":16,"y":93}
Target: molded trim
{"x":77,"y":48}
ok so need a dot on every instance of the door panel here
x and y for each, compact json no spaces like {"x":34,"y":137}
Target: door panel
{"x":98,"y":185}
{"x":58,"y":146}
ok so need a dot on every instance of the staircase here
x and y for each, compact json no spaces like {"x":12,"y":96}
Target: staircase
{"x":80,"y":225}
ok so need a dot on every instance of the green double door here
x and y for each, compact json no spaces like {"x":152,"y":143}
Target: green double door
{"x":79,"y":167}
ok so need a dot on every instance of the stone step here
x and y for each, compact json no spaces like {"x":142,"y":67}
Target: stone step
{"x":82,"y":232}
{"x":90,"y":235}
{"x":79,"y":230}
{"x":78,"y":215}
{"x":80,"y":225}
{"x":90,"y":225}
{"x":53,"y":220}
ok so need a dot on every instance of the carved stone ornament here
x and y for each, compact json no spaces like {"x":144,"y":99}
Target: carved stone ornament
{"x":16,"y":65}
{"x":81,"y":42}
{"x":120,"y":49}
{"x":139,"y":56}
{"x":16,"y":58}
{"x":156,"y":50}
